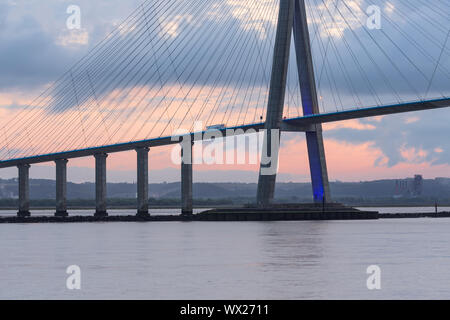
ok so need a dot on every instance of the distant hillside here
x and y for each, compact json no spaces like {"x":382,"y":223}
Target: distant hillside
{"x":350,"y":191}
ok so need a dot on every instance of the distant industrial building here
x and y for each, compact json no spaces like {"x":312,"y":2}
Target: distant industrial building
{"x":417,"y":187}
{"x":410,"y":187}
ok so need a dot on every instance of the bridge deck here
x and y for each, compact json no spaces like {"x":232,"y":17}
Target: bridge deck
{"x":301,"y":124}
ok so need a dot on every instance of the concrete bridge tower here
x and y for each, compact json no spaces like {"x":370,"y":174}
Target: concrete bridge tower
{"x":292,"y":17}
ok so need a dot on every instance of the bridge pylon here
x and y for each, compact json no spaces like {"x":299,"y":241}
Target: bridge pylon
{"x":292,"y":18}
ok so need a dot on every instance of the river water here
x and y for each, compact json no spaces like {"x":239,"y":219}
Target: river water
{"x":227,"y":260}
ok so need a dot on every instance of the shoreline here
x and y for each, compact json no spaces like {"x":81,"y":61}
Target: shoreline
{"x":109,"y":208}
{"x":227,"y":217}
{"x":215,"y":206}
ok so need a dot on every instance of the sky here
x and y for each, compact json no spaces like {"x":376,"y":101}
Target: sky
{"x":354,"y":66}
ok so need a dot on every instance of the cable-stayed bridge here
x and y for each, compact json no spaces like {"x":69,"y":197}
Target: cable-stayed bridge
{"x":287,"y":65}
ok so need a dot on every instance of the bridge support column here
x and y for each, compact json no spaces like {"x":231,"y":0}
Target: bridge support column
{"x":61,"y":188}
{"x":24,"y":190}
{"x":142,"y":181}
{"x":100,"y":185}
{"x":186,"y":180}
{"x":314,"y":139}
{"x":267,"y":173}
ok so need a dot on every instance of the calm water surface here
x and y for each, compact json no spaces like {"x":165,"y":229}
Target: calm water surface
{"x":227,"y":260}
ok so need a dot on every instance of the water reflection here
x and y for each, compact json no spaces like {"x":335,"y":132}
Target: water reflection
{"x":227,"y":260}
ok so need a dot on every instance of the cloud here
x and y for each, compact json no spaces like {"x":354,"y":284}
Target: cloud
{"x":251,"y":19}
{"x":4,"y":10}
{"x":332,"y":24}
{"x":344,"y":84}
{"x":171,"y":27}
{"x":411,"y":120}
{"x":402,"y":140}
{"x":30,"y":58}
{"x":206,"y":59}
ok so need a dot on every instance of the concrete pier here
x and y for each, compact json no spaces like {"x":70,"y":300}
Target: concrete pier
{"x":142,"y":181}
{"x":100,"y":185}
{"x":266,"y":181}
{"x":61,"y":188}
{"x":24,"y":190}
{"x":186,"y":180}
